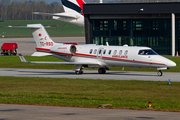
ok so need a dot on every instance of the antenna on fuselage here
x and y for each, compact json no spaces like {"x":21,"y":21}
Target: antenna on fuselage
{"x":107,"y":43}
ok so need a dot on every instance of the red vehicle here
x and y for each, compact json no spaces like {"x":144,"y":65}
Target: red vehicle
{"x":9,"y":48}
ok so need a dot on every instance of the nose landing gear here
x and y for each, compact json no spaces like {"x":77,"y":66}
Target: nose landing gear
{"x":159,"y":73}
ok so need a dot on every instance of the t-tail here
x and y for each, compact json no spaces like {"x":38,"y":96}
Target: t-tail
{"x":42,"y":39}
{"x":73,"y":5}
{"x":40,"y":35}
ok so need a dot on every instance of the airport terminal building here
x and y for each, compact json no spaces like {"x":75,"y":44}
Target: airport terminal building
{"x":152,"y":24}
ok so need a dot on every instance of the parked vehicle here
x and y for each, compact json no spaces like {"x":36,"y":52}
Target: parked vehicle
{"x":9,"y":49}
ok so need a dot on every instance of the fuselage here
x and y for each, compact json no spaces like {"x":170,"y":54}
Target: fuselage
{"x":109,"y":56}
{"x":95,"y":56}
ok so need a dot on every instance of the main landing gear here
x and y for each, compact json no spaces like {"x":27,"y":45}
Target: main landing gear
{"x":102,"y":70}
{"x":159,"y":73}
{"x":79,"y":69}
{"x":79,"y":72}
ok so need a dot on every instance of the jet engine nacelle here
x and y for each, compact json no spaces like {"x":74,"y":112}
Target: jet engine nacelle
{"x":64,"y":49}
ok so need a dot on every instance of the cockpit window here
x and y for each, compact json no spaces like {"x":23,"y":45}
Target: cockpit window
{"x":147,"y":52}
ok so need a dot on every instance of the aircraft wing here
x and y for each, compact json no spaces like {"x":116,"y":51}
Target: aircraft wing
{"x":64,"y":63}
{"x":67,"y":15}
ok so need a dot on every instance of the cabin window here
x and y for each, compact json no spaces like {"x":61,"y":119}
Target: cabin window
{"x":100,"y":51}
{"x":120,"y":52}
{"x":95,"y":51}
{"x":147,"y":52}
{"x":91,"y":50}
{"x":104,"y":52}
{"x":115,"y":52}
{"x":109,"y":52}
{"x":126,"y":52}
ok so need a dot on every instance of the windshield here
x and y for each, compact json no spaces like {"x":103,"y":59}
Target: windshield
{"x":147,"y":52}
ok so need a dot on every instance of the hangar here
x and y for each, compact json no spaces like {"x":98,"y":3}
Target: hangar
{"x":156,"y":25}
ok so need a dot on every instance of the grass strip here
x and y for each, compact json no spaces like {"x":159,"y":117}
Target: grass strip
{"x":59,"y":28}
{"x":129,"y":94}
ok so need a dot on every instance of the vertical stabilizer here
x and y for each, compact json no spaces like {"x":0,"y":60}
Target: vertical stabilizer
{"x":40,"y":35}
{"x":73,"y":5}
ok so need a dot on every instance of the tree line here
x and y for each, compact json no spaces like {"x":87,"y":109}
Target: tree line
{"x":23,"y":9}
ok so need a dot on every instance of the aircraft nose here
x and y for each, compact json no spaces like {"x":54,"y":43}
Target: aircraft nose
{"x":171,"y":64}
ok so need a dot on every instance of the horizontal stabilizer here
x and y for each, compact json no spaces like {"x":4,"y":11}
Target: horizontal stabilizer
{"x":41,"y":54}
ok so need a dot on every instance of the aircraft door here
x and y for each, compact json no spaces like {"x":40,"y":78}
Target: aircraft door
{"x":99,"y":53}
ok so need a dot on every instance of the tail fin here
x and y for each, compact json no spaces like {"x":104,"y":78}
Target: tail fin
{"x":40,"y":35}
{"x":73,"y":5}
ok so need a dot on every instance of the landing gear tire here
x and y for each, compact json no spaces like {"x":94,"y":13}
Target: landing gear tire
{"x":79,"y":72}
{"x":101,"y":70}
{"x":159,"y":73}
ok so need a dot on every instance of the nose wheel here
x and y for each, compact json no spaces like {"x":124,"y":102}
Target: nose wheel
{"x":160,"y":73}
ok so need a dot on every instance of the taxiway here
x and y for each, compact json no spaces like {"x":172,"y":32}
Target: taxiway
{"x":90,"y":74}
{"x":28,"y":112}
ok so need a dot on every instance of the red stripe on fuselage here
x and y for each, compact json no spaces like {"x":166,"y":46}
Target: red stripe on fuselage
{"x":87,"y":55}
{"x":43,"y":49}
{"x":94,"y":56}
{"x":109,"y":58}
{"x":132,"y":61}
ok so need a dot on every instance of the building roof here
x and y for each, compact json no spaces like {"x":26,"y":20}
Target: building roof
{"x":132,"y":8}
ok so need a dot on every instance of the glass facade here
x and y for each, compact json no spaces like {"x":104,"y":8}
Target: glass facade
{"x":154,"y":33}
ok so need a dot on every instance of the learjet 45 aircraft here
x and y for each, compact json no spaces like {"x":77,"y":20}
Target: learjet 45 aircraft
{"x":95,"y":56}
{"x":73,"y":12}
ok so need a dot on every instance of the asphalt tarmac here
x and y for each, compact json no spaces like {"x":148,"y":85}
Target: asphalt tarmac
{"x":28,"y":112}
{"x":91,"y":74}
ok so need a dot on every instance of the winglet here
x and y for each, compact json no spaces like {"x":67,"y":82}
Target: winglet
{"x":21,"y":57}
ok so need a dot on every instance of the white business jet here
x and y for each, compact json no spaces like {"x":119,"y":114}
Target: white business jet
{"x":95,"y":56}
{"x":73,"y":12}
